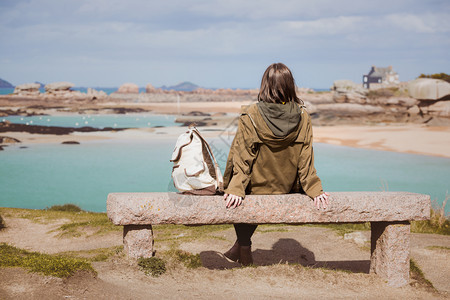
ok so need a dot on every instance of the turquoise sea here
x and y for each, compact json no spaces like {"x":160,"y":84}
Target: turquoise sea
{"x":43,"y":175}
{"x":133,"y":120}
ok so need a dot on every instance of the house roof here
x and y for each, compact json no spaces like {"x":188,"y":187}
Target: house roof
{"x":380,"y":72}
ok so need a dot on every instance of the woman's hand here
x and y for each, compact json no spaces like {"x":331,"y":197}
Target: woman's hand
{"x":322,"y":198}
{"x":232,"y":200}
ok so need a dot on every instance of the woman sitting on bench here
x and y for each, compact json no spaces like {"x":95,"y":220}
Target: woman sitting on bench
{"x":271,"y":153}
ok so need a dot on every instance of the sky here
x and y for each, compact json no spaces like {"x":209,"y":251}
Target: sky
{"x":219,"y":43}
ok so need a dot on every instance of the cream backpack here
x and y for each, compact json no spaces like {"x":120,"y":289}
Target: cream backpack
{"x":194,"y":172}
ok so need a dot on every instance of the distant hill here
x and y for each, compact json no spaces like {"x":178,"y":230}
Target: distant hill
{"x":5,"y":84}
{"x":183,"y":86}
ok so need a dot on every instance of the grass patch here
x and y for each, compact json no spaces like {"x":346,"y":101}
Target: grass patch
{"x":78,"y":223}
{"x":171,"y":232}
{"x":53,"y":265}
{"x":152,"y":266}
{"x":95,"y":255}
{"x":418,"y":276}
{"x":190,"y":261}
{"x":95,"y":223}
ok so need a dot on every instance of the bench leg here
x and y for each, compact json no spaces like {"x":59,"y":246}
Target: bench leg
{"x":138,"y":240}
{"x":390,"y":247}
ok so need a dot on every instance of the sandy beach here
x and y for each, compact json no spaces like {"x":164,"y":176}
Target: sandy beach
{"x":398,"y":137}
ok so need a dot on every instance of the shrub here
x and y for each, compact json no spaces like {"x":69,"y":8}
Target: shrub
{"x":53,"y":265}
{"x":66,"y":207}
{"x":190,"y":260}
{"x":442,"y":76}
{"x":152,"y":266}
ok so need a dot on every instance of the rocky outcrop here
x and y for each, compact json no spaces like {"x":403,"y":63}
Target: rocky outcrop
{"x":62,"y":90}
{"x":435,"y":108}
{"x":27,"y":89}
{"x":128,"y":88}
{"x":11,"y":127}
{"x":55,"y":87}
{"x":70,"y":143}
{"x":94,"y":94}
{"x":150,"y":88}
{"x":350,"y":109}
{"x":347,"y":91}
{"x":19,"y":112}
{"x":429,"y":89}
{"x":384,"y":104}
{"x":8,"y":140}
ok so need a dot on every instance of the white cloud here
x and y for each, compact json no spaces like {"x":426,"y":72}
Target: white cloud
{"x":427,"y":23}
{"x":135,"y":36}
{"x":327,"y":26}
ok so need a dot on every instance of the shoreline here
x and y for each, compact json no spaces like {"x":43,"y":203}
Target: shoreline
{"x":413,"y":138}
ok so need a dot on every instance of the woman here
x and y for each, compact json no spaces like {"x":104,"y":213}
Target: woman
{"x":271,"y":153}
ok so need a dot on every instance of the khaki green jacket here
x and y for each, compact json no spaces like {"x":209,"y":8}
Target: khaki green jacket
{"x":261,"y":163}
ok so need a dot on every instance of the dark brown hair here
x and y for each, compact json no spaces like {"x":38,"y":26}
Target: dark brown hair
{"x":277,"y":85}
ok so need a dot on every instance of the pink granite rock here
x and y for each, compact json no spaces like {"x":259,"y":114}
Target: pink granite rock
{"x":128,"y":88}
{"x":173,"y":208}
{"x":150,"y":88}
{"x":390,"y":252}
{"x":138,"y":240}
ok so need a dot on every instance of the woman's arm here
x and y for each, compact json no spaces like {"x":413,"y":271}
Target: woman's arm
{"x":243,"y":154}
{"x":307,"y":174}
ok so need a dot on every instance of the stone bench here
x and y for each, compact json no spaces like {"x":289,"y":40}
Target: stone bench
{"x":389,"y":213}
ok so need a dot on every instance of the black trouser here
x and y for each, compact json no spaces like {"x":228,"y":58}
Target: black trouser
{"x":244,"y":233}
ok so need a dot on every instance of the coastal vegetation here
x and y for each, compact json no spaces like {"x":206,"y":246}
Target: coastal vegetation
{"x":152,"y":266}
{"x":442,"y":76}
{"x":53,"y":265}
{"x":66,"y":207}
{"x":78,"y":223}
{"x":95,"y":255}
{"x":387,"y":93}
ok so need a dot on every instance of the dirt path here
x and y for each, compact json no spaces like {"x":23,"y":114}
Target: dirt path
{"x":281,"y":254}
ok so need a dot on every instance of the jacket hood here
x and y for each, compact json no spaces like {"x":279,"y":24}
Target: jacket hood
{"x":282,"y":119}
{"x":276,"y":124}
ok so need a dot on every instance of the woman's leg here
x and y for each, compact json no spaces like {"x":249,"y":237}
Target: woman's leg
{"x":244,"y":233}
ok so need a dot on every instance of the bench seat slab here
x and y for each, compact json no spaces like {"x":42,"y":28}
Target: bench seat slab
{"x":350,"y":207}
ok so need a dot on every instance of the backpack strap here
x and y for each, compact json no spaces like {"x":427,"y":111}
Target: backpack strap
{"x":219,"y":176}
